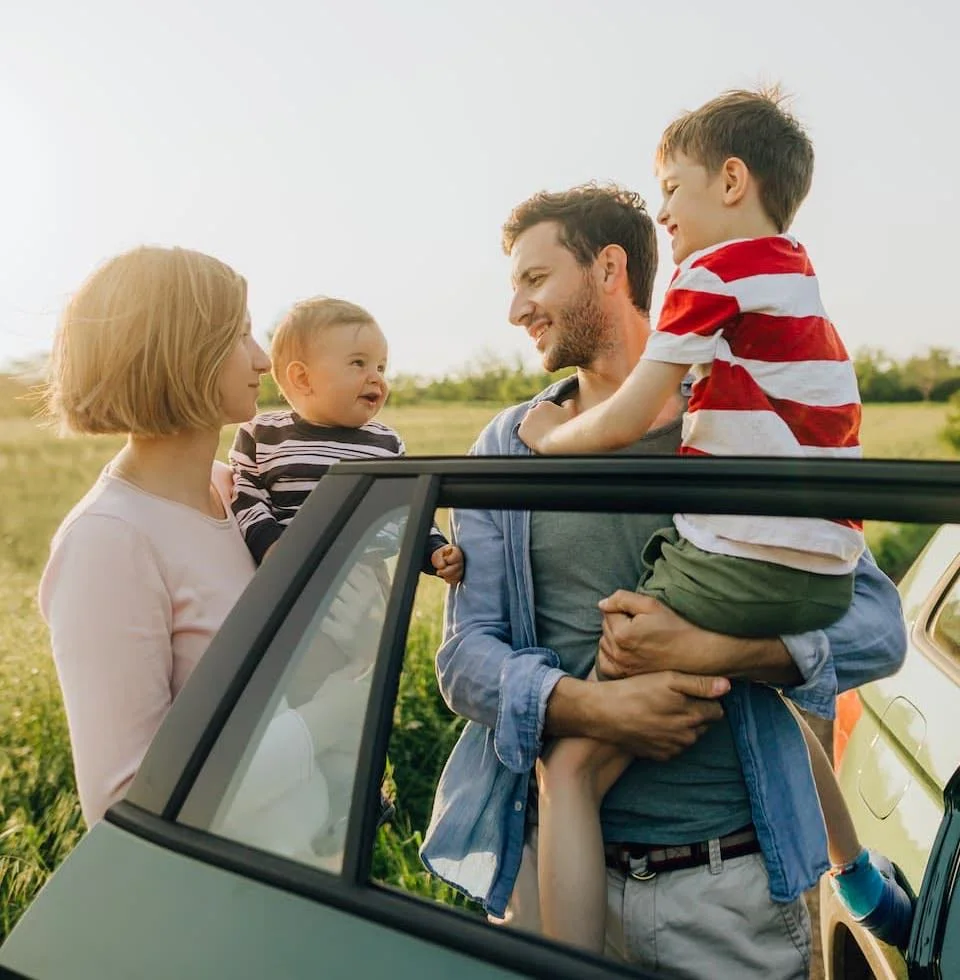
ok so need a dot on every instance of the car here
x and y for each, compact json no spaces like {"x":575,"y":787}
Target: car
{"x":896,"y":751}
{"x":173,"y":883}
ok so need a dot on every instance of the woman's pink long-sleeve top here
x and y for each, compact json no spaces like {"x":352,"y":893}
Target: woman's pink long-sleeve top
{"x":135,"y":588}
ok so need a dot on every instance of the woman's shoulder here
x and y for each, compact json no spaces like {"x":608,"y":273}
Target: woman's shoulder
{"x":109,"y":501}
{"x":101,"y":536}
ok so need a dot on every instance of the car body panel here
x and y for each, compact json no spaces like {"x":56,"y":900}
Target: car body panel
{"x":900,"y":757}
{"x":151,"y":913}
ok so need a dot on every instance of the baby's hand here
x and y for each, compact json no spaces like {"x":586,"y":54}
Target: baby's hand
{"x":541,"y":421}
{"x":448,"y":561}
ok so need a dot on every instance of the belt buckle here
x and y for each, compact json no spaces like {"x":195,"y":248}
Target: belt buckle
{"x":638,"y":868}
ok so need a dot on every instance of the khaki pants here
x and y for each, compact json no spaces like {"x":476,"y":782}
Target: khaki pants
{"x":693,"y":923}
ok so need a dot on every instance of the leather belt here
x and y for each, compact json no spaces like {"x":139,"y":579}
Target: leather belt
{"x":645,"y":860}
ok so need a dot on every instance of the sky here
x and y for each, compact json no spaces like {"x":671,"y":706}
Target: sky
{"x":373,"y":150}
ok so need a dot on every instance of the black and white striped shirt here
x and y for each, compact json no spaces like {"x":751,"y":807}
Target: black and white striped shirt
{"x":278,"y":459}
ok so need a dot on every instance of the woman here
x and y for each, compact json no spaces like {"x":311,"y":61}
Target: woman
{"x":156,"y":345}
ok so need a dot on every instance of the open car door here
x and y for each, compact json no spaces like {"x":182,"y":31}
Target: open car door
{"x":934,"y":949}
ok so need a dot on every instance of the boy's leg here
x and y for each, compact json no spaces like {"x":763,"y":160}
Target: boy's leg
{"x":573,"y":776}
{"x":843,"y":845}
{"x":864,"y":882}
{"x":740,"y":597}
{"x":523,"y":908}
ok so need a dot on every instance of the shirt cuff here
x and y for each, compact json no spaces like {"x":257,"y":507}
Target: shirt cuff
{"x":527,"y":680}
{"x":818,"y":692}
{"x":434,"y":541}
{"x":261,"y":536}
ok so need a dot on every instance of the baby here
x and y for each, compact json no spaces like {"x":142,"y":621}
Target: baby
{"x":329,"y":358}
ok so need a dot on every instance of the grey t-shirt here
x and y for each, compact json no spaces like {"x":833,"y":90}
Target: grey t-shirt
{"x":578,"y":558}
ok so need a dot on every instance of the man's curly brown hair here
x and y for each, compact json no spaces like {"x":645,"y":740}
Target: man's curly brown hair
{"x":590,"y":217}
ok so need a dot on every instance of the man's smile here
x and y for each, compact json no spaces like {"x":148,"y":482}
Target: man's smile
{"x":537,"y":330}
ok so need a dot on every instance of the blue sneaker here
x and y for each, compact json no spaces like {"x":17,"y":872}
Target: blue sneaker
{"x":892,"y":916}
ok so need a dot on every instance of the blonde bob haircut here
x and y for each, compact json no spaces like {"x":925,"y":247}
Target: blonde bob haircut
{"x":304,"y":324}
{"x":140,"y":346}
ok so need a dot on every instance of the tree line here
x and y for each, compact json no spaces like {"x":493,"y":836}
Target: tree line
{"x":933,"y":376}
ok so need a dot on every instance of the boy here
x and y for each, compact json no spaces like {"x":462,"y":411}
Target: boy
{"x":329,"y":358}
{"x":771,"y":377}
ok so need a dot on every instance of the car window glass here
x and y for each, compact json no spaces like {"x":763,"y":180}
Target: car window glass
{"x":290,"y":793}
{"x":946,"y":623}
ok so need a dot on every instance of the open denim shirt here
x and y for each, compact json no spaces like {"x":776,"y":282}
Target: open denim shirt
{"x":492,"y":672}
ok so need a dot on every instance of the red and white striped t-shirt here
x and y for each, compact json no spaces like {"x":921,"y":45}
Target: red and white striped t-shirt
{"x":772,"y":378}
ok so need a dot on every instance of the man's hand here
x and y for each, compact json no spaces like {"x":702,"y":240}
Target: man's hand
{"x":541,"y":420}
{"x":653,"y":716}
{"x":448,"y":561}
{"x":641,"y":635}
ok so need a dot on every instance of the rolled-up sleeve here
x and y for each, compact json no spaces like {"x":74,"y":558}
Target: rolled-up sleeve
{"x":868,"y":642}
{"x":481,"y":676}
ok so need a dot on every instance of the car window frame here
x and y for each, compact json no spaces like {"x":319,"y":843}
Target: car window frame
{"x":656,"y":485}
{"x":939,"y":891}
{"x":200,"y":805}
{"x":952,"y":577}
{"x":351,"y":889}
{"x":178,"y":752}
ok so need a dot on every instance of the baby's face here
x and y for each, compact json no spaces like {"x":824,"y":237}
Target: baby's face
{"x":346,"y":368}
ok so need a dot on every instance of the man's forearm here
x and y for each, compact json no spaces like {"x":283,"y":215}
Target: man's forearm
{"x":766,"y":661}
{"x":569,"y":711}
{"x":641,"y":635}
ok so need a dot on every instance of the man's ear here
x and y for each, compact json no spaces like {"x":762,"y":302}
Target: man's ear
{"x":298,"y":378}
{"x":611,"y":268}
{"x":736,"y":179}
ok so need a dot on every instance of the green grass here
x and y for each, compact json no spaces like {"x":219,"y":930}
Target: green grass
{"x":42,"y":476}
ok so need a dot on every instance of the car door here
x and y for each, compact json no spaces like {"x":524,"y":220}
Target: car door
{"x":934,"y":949}
{"x":172,"y":882}
{"x":181,"y":879}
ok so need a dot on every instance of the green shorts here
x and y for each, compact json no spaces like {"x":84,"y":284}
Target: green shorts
{"x":740,"y":596}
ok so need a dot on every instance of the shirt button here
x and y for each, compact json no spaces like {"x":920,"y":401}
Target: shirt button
{"x":518,"y":806}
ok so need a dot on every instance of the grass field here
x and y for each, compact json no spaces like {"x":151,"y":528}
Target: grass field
{"x":42,"y":476}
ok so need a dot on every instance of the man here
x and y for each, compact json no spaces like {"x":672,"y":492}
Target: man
{"x":727,"y":789}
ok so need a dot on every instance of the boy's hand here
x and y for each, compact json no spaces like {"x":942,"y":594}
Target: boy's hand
{"x":541,"y":420}
{"x":448,"y":561}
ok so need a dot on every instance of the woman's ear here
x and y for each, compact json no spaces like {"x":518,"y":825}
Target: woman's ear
{"x":736,"y":177}
{"x":298,"y":378}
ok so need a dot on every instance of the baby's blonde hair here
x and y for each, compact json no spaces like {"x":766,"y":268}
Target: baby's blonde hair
{"x":304,"y":324}
{"x":141,"y":344}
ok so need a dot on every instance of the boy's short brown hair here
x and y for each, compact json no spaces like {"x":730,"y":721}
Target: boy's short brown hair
{"x":304,"y":323}
{"x":591,"y":217}
{"x":756,"y":128}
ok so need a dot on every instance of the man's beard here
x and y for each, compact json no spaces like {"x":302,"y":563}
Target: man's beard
{"x":583,"y":332}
